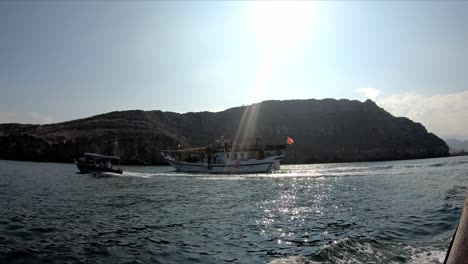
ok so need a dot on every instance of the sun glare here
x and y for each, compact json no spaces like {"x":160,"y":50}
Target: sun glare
{"x":278,"y":28}
{"x":280,"y":25}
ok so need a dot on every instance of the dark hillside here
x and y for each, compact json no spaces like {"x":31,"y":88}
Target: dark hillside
{"x":323,"y":130}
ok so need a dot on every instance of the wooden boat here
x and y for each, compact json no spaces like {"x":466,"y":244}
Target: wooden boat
{"x":227,"y":156}
{"x":97,"y":163}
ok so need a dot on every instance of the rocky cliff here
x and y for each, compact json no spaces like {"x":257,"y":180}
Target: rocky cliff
{"x":323,"y":130}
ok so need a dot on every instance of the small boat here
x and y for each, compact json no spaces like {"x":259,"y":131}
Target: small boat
{"x":227,"y":156}
{"x":97,"y":163}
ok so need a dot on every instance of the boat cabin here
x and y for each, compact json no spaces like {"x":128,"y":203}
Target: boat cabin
{"x":92,"y":162}
{"x":224,"y":151}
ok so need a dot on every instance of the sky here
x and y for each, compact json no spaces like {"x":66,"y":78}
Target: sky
{"x":61,"y":61}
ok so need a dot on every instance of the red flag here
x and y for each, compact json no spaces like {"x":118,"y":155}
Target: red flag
{"x":289,"y":140}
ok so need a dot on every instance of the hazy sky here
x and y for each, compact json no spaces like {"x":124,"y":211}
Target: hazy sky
{"x":65,"y":60}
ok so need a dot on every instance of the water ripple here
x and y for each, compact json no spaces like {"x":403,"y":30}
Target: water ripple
{"x":375,"y":212}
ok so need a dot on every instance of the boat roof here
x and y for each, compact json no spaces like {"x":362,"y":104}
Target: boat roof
{"x":238,"y":140}
{"x":100,"y":156}
{"x":182,"y":150}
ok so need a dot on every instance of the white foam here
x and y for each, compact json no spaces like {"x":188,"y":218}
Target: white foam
{"x":292,"y":260}
{"x":430,"y":256}
{"x":137,"y":174}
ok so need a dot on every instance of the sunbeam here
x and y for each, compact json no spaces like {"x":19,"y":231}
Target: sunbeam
{"x":277,"y":27}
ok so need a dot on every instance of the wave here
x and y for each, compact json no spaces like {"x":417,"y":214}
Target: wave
{"x":143,"y":174}
{"x":427,"y":255}
{"x":456,"y":193}
{"x":349,"y":250}
{"x":155,"y":174}
{"x":439,"y":221}
{"x":458,"y":162}
{"x":293,"y":260}
{"x":315,"y":170}
{"x":449,"y":162}
{"x":362,"y":251}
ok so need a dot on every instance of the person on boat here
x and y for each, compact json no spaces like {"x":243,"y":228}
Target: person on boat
{"x":262,"y":154}
{"x":109,"y":165}
{"x":209,"y":158}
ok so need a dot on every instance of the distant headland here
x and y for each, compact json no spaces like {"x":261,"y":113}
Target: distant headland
{"x":325,"y":130}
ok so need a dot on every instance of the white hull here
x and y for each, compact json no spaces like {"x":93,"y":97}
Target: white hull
{"x":232,"y":166}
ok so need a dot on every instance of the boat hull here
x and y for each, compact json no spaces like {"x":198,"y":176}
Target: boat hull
{"x":85,"y":168}
{"x":232,"y":167}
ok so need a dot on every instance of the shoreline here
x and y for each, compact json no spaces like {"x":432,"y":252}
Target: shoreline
{"x":162,"y":164}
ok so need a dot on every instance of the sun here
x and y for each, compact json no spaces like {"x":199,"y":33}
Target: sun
{"x":282,"y":25}
{"x":278,"y":27}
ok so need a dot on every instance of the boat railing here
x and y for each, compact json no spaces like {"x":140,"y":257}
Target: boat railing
{"x":458,"y":249}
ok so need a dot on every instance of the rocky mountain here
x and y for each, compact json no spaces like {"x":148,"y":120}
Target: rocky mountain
{"x":326,"y":130}
{"x":456,"y":146}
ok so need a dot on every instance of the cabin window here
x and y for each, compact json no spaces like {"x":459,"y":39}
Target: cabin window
{"x":235,"y":155}
{"x":242,"y":155}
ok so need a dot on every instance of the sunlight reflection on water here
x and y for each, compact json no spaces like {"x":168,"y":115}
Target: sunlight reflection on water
{"x":390,"y":212}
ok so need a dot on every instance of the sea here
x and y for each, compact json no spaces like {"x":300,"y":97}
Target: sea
{"x":368,"y":212}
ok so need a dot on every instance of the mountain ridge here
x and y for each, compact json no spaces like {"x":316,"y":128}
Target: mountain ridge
{"x":456,"y":145}
{"x":326,"y":130}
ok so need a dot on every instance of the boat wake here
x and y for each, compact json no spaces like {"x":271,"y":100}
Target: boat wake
{"x":156,"y":174}
{"x":427,"y":255}
{"x":350,"y":250}
{"x":308,"y":170}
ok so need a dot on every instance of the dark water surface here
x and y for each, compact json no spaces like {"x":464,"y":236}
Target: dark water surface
{"x":375,"y":212}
